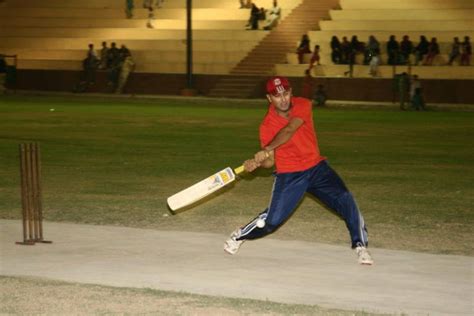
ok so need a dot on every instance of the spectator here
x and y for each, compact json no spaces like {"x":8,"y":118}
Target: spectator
{"x":466,"y":52}
{"x":415,"y":83}
{"x":151,"y":17}
{"x":418,"y":102}
{"x":433,"y":51}
{"x":455,"y":50}
{"x":307,"y":88}
{"x":254,"y":16}
{"x":345,"y":50}
{"x":320,"y":96}
{"x":374,"y":64}
{"x":129,"y":5}
{"x":3,"y":74}
{"x":103,"y":56}
{"x":406,"y":48}
{"x":112,"y":55}
{"x":336,"y":55}
{"x":303,"y":48}
{"x":421,"y":49}
{"x":274,"y":16}
{"x":124,"y":52}
{"x":262,"y":14}
{"x":126,"y":68}
{"x":393,"y":50}
{"x":245,"y":4}
{"x":402,"y":85}
{"x":372,"y":49}
{"x":90,"y":64}
{"x":314,"y":58}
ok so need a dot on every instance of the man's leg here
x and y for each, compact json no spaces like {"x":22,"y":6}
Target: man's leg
{"x":288,"y":190}
{"x":329,"y":188}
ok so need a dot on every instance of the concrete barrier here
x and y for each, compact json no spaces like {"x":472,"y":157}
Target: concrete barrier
{"x":407,"y":4}
{"x":401,"y":26}
{"x":402,"y":15}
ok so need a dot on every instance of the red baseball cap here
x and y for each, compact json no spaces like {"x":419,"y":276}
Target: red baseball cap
{"x":277,"y":85}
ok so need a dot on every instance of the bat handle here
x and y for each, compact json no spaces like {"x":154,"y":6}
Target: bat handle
{"x":239,"y":170}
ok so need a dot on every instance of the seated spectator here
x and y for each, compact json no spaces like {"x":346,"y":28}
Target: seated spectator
{"x":345,"y":50}
{"x":254,"y":17}
{"x":421,"y":49}
{"x":433,"y":51}
{"x":336,"y":55}
{"x":372,"y":49}
{"x":320,"y":96}
{"x":415,"y":83}
{"x":406,"y":48}
{"x":466,"y":52}
{"x":273,"y":16}
{"x":245,"y":4}
{"x":262,"y":15}
{"x":393,"y":50}
{"x":314,"y":58}
{"x":303,"y":48}
{"x":151,"y":17}
{"x":455,"y":50}
{"x":103,"y":56}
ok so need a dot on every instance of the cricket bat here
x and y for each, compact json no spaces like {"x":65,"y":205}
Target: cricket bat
{"x":203,"y":188}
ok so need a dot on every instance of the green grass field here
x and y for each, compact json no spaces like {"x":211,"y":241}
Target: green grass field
{"x":116,"y":161}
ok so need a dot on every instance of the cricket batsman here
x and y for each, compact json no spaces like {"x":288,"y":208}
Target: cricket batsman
{"x":289,"y":142}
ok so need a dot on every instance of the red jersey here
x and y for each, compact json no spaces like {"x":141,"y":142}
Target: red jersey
{"x":301,"y":152}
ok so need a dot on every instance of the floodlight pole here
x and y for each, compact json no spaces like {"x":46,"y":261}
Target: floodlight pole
{"x":189,"y":45}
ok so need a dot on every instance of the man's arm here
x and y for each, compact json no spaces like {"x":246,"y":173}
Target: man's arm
{"x":280,"y":138}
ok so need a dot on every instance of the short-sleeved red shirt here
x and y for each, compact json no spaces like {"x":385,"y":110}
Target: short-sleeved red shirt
{"x":301,"y":152}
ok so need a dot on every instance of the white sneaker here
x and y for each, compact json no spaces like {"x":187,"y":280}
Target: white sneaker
{"x":364,"y":256}
{"x":232,"y":245}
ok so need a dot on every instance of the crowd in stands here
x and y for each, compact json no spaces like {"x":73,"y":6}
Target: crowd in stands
{"x":117,"y":62}
{"x":398,"y":53}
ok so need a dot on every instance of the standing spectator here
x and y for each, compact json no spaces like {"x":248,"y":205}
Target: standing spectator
{"x":374,"y":65}
{"x":402,"y":84}
{"x":314,"y":58}
{"x":112,"y":55}
{"x":274,"y":16}
{"x":307,"y":87}
{"x":466,"y":52}
{"x":455,"y":50}
{"x":356,"y":46}
{"x":433,"y":51}
{"x":303,"y":48}
{"x":406,"y":48}
{"x":418,"y":102}
{"x":372,"y":49}
{"x":129,"y":5}
{"x":393,"y":50}
{"x":336,"y":54}
{"x":421,"y":49}
{"x":345,"y":50}
{"x":320,"y":96}
{"x":3,"y":74}
{"x":103,"y":56}
{"x":415,"y":83}
{"x":90,"y":64}
{"x":126,"y":68}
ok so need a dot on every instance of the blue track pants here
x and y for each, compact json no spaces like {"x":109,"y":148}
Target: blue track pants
{"x":323,"y":183}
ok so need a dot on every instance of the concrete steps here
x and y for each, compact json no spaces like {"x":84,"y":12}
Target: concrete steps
{"x":273,"y":48}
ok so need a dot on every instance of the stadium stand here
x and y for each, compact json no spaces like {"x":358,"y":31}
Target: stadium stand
{"x":435,"y":18}
{"x":54,"y":34}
